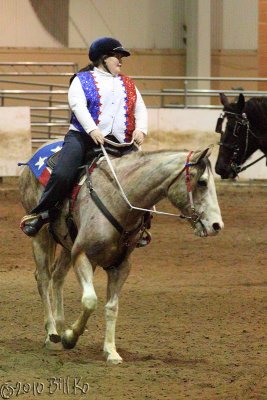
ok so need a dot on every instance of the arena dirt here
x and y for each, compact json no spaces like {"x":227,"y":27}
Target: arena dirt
{"x":192,"y":318}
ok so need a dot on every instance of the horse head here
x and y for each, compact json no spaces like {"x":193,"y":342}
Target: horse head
{"x":236,"y":142}
{"x":197,"y":197}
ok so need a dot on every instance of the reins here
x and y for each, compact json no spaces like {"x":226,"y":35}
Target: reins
{"x":131,"y":207}
{"x":239,"y":168}
{"x":126,"y":235}
{"x":194,"y":217}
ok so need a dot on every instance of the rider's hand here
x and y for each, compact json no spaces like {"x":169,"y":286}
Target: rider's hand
{"x":97,"y":136}
{"x":138,"y":137}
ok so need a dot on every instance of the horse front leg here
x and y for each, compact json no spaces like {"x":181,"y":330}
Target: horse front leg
{"x":116,"y":279}
{"x":84,"y":272}
{"x":44,"y":247}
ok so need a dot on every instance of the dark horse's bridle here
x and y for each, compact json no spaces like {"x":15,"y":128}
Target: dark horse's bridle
{"x":241,"y":121}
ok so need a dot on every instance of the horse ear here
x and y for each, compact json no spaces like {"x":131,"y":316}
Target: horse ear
{"x":241,"y":101}
{"x":200,"y":154}
{"x":224,"y":99}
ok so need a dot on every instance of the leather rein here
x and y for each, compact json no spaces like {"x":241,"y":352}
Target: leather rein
{"x":240,"y":121}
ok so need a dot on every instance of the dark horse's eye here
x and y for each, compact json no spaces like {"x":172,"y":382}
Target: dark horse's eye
{"x":202,"y":183}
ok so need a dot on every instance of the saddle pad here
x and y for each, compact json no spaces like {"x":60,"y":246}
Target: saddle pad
{"x":42,"y":172}
{"x":37,"y":163}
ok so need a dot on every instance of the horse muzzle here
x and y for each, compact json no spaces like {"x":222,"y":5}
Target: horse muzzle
{"x":203,"y":229}
{"x":226,"y":171}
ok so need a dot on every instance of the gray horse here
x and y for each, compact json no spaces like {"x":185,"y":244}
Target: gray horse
{"x":147,"y":178}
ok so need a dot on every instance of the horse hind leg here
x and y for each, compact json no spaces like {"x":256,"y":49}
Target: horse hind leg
{"x":84,"y":272}
{"x":116,"y":279}
{"x":44,"y":248}
{"x":60,"y":269}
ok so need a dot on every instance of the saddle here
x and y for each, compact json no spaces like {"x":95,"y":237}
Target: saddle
{"x":92,"y":155}
{"x":96,"y":152}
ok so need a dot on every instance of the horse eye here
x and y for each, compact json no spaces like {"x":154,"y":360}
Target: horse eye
{"x":202,"y":183}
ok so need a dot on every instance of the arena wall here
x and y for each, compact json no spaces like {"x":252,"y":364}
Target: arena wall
{"x":15,"y":139}
{"x":145,"y":63}
{"x":165,"y":62}
{"x":168,"y":129}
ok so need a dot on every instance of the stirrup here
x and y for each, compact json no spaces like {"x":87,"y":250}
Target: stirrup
{"x":145,"y":239}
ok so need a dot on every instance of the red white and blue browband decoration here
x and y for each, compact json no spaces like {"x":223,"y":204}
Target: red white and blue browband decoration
{"x":37,"y":163}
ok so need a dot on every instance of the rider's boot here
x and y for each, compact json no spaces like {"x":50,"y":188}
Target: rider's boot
{"x":31,"y":224}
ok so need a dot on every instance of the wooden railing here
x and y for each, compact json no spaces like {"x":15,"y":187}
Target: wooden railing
{"x":48,"y":99}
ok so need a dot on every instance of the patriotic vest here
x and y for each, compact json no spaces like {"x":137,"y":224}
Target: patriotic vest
{"x":93,"y":98}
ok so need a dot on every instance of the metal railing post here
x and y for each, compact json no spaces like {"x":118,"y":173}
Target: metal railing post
{"x":50,"y":112}
{"x":185,"y":93}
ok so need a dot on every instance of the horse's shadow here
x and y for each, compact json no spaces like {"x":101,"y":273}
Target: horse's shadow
{"x":82,"y":354}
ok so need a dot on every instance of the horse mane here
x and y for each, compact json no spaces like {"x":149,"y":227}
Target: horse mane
{"x":139,"y":158}
{"x":135,"y":160}
{"x":256,"y":110}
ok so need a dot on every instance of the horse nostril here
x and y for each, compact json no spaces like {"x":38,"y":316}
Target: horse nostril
{"x":216,"y":227}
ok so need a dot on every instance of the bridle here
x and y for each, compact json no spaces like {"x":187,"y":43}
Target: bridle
{"x":241,"y":121}
{"x":195,"y":216}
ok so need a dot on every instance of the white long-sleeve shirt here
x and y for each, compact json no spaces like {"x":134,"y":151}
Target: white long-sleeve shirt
{"x":112,"y":106}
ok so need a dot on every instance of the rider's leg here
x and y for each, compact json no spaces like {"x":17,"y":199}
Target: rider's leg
{"x":60,"y":183}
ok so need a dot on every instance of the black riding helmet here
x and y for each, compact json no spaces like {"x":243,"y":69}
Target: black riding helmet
{"x":105,"y":46}
{"x":99,"y":50}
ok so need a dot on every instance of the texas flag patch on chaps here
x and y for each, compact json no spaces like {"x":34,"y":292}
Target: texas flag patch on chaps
{"x":37,"y":163}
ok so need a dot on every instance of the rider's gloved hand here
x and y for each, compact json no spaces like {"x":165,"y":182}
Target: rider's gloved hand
{"x":138,"y":137}
{"x":97,"y":136}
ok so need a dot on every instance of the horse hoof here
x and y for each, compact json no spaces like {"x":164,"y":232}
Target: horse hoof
{"x":114,"y":359}
{"x":55,"y":338}
{"x":68,"y":339}
{"x":52,"y":345}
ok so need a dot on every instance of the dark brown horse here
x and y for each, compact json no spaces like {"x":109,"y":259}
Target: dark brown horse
{"x":245,"y":132}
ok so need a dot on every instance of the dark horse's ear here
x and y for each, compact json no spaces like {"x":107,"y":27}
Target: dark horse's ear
{"x":241,"y":102}
{"x":224,"y":99}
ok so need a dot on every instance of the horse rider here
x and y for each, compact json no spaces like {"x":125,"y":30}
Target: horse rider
{"x":103,"y":102}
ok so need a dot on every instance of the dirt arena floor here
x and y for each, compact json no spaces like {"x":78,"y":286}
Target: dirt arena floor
{"x":192,"y":319}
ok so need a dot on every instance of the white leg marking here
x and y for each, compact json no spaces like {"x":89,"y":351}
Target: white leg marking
{"x":116,"y":279}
